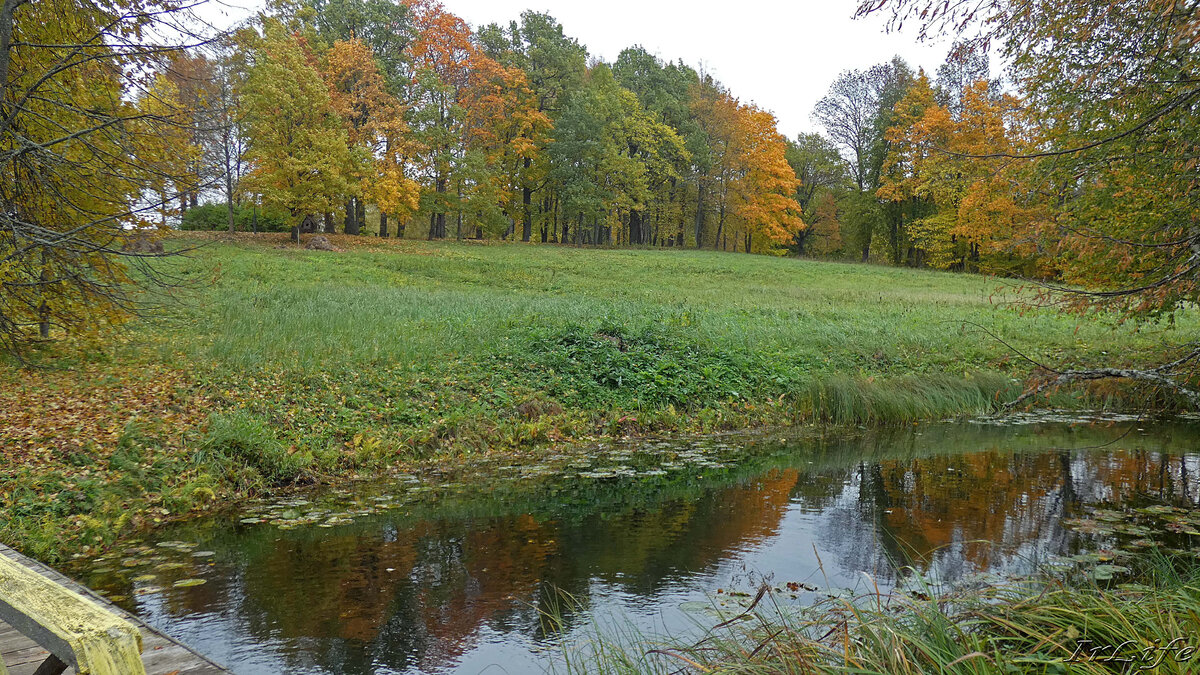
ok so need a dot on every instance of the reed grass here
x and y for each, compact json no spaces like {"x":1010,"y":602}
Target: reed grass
{"x":1047,"y":623}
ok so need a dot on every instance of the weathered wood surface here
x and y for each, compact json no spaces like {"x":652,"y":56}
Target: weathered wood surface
{"x":160,"y":655}
{"x":77,"y":630}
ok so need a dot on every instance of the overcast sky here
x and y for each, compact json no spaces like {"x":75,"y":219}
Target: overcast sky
{"x":778,"y":54}
{"x":781,"y":55}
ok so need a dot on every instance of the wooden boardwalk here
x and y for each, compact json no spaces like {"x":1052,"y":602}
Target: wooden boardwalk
{"x":160,"y":654}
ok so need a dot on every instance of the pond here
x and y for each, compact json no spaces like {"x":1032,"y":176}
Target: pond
{"x":456,"y":573}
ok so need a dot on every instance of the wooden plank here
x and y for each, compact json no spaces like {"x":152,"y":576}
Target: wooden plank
{"x":77,"y":630}
{"x":162,"y":654}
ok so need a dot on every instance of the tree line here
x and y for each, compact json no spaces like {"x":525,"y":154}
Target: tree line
{"x":397,"y":119}
{"x":336,"y":110}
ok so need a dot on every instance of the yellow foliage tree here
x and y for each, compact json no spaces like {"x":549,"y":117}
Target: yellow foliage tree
{"x":300,"y":154}
{"x":79,"y":161}
{"x":956,"y":164}
{"x":379,"y":138}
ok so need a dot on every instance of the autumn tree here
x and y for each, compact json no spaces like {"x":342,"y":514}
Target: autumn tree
{"x":299,"y":155}
{"x":974,"y":212}
{"x":503,"y":132}
{"x":1111,"y":93}
{"x":377,"y":133}
{"x":822,"y":179}
{"x":764,"y":184}
{"x":716,"y":113}
{"x":170,"y":156}
{"x":81,"y":162}
{"x":554,"y":66}
{"x":191,"y":76}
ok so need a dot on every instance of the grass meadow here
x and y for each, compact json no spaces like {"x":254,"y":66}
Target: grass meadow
{"x":273,"y":366}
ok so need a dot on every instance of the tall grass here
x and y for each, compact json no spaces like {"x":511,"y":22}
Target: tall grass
{"x":1045,"y":624}
{"x":844,"y":400}
{"x":423,"y":303}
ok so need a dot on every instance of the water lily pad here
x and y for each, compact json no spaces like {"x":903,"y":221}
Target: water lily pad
{"x":1111,"y":516}
{"x":188,"y":583}
{"x":1106,"y":572}
{"x":144,"y":578}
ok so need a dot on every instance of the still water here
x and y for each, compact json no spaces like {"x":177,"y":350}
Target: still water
{"x":452,"y":573}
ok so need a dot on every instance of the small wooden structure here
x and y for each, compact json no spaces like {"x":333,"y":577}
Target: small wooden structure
{"x":307,"y":226}
{"x":50,"y":624}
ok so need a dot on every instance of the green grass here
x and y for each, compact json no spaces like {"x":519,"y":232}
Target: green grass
{"x":1048,"y":623}
{"x":460,"y":335}
{"x":292,"y":366}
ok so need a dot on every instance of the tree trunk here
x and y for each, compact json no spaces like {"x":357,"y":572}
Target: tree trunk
{"x":44,"y":308}
{"x":327,"y":224}
{"x":720,"y":229}
{"x":554,"y":227}
{"x":699,"y":215}
{"x":527,"y":202}
{"x":229,"y":198}
{"x":383,"y":224}
{"x":350,"y":225}
{"x":7,"y":9}
{"x":438,"y":224}
{"x":361,"y":214}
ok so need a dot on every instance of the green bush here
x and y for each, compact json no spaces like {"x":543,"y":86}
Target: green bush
{"x":216,"y":217}
{"x":648,"y":367}
{"x":242,"y":437}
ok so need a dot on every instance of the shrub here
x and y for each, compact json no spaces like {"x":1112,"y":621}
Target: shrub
{"x":216,"y":217}
{"x":242,"y":437}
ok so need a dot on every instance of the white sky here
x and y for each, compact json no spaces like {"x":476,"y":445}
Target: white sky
{"x":778,"y":54}
{"x":782,"y":55}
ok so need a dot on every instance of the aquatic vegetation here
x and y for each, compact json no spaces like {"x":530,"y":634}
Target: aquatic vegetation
{"x":1046,"y":623}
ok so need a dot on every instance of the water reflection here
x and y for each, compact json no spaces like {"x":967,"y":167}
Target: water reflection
{"x":418,"y":590}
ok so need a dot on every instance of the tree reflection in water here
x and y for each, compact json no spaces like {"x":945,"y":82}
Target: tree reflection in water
{"x":431,"y":592}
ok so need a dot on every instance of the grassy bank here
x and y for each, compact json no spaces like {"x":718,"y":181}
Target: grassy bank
{"x":1049,"y":623}
{"x":276,"y":366}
